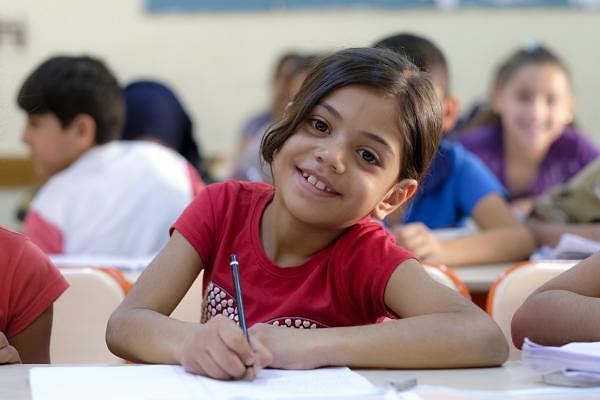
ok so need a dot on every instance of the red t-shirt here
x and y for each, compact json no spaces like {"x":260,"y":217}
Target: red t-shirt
{"x":29,"y":282}
{"x":341,"y":285}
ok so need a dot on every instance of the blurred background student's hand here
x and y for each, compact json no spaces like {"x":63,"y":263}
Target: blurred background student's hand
{"x":420,"y":240}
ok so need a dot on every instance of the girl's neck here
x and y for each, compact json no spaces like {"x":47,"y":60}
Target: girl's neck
{"x":521,"y":167}
{"x":287,"y":241}
{"x":516,"y":152}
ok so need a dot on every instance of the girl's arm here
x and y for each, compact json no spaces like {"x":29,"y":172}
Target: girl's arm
{"x":140,"y":329}
{"x":550,"y":233}
{"x":438,"y":329}
{"x":33,"y":342}
{"x":501,"y":238}
{"x":565,"y":309}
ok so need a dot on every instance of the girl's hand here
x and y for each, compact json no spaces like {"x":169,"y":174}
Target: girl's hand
{"x":218,"y":349}
{"x":420,"y":240}
{"x":286,"y":344}
{"x":8,"y":354}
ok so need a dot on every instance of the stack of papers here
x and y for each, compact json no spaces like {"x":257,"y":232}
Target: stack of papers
{"x":574,"y":364}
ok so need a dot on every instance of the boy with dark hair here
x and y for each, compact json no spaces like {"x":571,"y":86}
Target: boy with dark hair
{"x":458,"y":186}
{"x":102,"y":196}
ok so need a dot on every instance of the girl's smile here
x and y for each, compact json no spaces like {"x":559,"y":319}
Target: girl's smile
{"x":342,"y":161}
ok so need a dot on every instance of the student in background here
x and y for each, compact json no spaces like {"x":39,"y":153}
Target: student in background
{"x":530,"y":143}
{"x":457,"y":186}
{"x":565,"y":309}
{"x":258,"y":124}
{"x":102,"y":196}
{"x":250,"y":166}
{"x":154,"y":113}
{"x":29,"y":284}
{"x":352,"y":147}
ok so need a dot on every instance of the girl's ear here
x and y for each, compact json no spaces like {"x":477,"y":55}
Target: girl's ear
{"x":450,"y":110}
{"x":394,"y":198}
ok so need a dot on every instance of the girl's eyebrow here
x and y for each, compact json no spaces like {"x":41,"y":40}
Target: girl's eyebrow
{"x":379,"y":140}
{"x":330,"y":109}
{"x":371,"y":136}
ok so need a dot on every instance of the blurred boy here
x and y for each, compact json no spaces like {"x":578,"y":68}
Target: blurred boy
{"x":458,"y":186}
{"x":102,"y":197}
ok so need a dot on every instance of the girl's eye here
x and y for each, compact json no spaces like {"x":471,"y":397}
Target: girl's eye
{"x":319,"y":125}
{"x":368,"y":157}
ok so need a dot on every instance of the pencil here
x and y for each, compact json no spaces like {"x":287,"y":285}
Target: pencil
{"x":233,"y":263}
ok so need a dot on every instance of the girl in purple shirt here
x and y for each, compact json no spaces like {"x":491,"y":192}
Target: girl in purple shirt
{"x":531,"y":145}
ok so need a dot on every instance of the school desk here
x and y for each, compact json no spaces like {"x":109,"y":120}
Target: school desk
{"x":14,"y":380}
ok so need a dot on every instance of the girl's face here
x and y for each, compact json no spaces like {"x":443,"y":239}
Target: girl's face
{"x":534,"y":106}
{"x":343,"y":161}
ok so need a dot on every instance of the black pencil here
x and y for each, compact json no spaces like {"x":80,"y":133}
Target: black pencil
{"x":233,"y":263}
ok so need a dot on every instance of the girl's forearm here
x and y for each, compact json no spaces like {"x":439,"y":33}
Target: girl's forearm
{"x":143,"y":335}
{"x":550,"y":233}
{"x":449,"y":340}
{"x":557,"y":317}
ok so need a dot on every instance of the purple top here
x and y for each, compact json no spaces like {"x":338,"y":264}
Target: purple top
{"x":569,"y":153}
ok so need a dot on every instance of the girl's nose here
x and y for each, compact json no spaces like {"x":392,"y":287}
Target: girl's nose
{"x":331,"y":156}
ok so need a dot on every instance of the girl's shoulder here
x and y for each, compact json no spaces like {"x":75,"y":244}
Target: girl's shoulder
{"x":369,"y":240}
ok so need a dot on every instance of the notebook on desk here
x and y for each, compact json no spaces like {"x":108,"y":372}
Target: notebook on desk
{"x":158,"y":382}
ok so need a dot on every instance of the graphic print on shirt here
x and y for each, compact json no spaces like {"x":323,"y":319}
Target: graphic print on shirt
{"x":218,"y":301}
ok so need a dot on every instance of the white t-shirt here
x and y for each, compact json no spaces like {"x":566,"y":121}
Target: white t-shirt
{"x":117,"y":199}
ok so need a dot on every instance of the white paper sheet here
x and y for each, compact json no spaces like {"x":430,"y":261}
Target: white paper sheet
{"x":162,"y":382}
{"x":574,"y":364}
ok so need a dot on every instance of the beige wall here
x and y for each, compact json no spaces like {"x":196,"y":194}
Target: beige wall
{"x":220,"y":63}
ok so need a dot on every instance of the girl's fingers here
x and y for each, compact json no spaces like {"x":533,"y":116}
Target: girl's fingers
{"x":9,"y":355}
{"x":228,"y":360}
{"x":262,"y":355}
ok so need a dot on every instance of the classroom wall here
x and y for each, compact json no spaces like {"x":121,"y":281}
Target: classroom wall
{"x":220,"y":62}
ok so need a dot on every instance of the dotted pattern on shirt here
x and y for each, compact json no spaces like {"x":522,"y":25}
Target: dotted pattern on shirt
{"x":218,"y":301}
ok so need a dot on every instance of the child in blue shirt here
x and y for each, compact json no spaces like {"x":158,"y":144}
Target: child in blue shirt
{"x":458,"y":186}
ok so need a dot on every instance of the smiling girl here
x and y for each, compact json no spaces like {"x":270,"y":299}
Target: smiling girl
{"x":316,"y":270}
{"x":531,"y":144}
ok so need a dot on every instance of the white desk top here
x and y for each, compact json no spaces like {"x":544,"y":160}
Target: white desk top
{"x":14,"y":379}
{"x":479,"y":278}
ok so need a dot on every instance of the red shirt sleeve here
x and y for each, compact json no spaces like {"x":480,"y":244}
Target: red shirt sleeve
{"x":32,"y":283}
{"x":44,"y":234}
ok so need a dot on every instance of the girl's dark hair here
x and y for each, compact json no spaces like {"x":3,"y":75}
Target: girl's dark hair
{"x":419,"y":110}
{"x":533,"y":54}
{"x":68,"y":86}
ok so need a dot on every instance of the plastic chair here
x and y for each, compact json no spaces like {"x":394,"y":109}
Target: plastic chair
{"x":81,"y":315}
{"x":447,"y":277}
{"x":513,"y":287}
{"x":190,"y":307}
